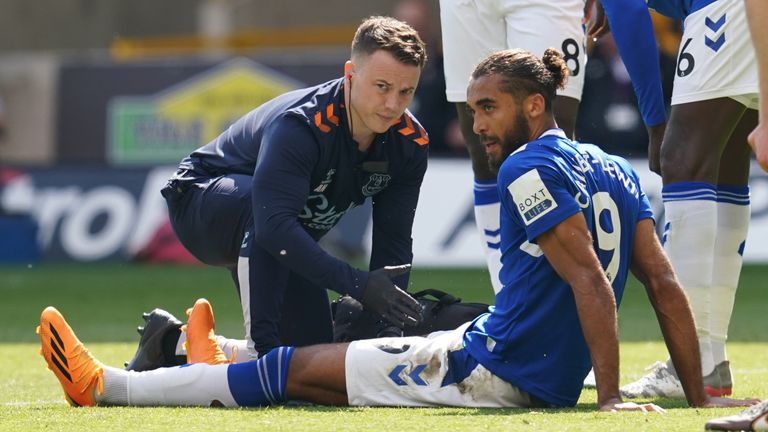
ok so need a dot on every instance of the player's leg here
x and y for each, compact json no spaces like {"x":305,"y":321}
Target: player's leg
{"x":690,"y":161}
{"x":317,"y":374}
{"x":564,"y":32}
{"x":88,"y":382}
{"x":424,"y":371}
{"x":469,"y":35}
{"x":486,"y":198}
{"x":715,"y":64}
{"x":412,"y":371}
{"x":262,"y":284}
{"x":210,"y":218}
{"x":733,"y":214}
{"x":207,"y":380}
{"x":306,"y":318}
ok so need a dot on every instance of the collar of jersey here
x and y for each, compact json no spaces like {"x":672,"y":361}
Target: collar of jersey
{"x":554,"y":132}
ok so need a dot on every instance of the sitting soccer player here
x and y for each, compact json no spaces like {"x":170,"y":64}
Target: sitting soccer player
{"x":574,"y":221}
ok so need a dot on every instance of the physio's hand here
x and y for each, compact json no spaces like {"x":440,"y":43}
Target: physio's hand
{"x":616,"y":405}
{"x":385,"y":298}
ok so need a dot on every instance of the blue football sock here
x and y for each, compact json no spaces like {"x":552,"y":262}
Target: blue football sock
{"x":261,"y":382}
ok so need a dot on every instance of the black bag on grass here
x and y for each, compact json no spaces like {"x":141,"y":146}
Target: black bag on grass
{"x":442,"y":311}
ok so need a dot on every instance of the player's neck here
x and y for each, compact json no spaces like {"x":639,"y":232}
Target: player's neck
{"x":361,"y":134}
{"x":543,"y":124}
{"x":363,"y":141}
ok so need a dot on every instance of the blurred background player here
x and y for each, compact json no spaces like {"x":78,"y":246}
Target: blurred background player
{"x":474,"y":29}
{"x":704,"y":167}
{"x":257,"y":198}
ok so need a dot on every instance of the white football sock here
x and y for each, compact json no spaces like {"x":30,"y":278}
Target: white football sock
{"x":256,"y":383}
{"x":115,"y":387}
{"x":733,"y":213}
{"x":237,"y":348}
{"x":689,"y":238}
{"x":181,"y":350}
{"x":189,"y":385}
{"x":487,"y":208}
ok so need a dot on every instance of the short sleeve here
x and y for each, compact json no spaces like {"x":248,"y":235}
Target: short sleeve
{"x":538,"y":194}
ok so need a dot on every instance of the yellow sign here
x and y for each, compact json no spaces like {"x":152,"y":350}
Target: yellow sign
{"x":167,"y":126}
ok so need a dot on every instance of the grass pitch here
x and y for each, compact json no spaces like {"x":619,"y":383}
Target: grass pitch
{"x":103,"y":304}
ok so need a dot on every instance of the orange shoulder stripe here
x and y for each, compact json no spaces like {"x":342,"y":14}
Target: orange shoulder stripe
{"x":408,"y":130}
{"x":319,"y":123}
{"x":331,"y":116}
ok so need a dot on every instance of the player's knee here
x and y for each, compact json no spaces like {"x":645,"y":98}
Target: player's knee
{"x":682,"y":161}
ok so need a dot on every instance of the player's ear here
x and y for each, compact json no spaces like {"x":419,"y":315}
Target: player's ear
{"x":534,"y":105}
{"x":348,"y":69}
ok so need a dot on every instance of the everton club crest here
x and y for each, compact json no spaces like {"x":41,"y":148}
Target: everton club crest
{"x":376,"y":183}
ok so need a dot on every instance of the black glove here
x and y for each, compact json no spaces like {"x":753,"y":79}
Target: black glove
{"x":385,"y":298}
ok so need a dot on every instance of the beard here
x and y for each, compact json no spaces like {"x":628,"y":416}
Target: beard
{"x":516,"y":137}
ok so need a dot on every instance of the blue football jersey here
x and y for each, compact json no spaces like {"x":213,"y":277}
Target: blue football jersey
{"x":532,"y":337}
{"x":678,"y":9}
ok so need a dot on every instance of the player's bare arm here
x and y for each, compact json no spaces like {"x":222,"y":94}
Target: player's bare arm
{"x":651,"y":266}
{"x":568,"y":248}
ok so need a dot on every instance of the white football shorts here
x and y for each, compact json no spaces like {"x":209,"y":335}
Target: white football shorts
{"x":473,"y":29}
{"x":410,"y":372}
{"x":716,"y":56}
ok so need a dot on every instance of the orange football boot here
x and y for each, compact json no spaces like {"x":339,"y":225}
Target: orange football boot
{"x":201,"y":342}
{"x":80,"y":374}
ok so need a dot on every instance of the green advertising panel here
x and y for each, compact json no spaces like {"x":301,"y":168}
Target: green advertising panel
{"x":165,"y":127}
